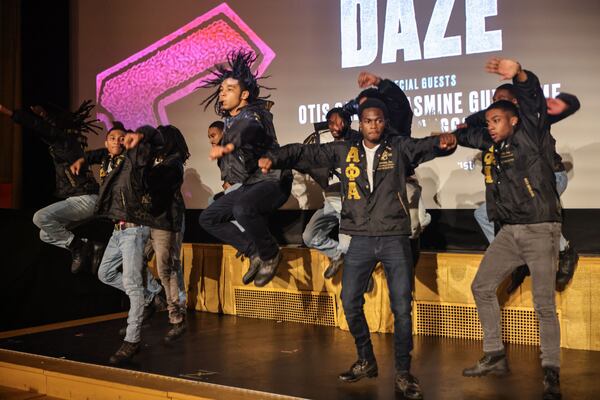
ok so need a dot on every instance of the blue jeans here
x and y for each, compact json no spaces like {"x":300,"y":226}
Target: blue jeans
{"x":323,"y":221}
{"x":395,"y":255}
{"x":54,"y":219}
{"x":487,"y":226}
{"x":127,"y":247}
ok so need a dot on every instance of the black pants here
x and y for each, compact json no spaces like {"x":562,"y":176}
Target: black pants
{"x":250,"y":206}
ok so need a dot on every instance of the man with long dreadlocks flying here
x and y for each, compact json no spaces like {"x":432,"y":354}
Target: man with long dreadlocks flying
{"x":248,"y":135}
{"x":64,"y":133}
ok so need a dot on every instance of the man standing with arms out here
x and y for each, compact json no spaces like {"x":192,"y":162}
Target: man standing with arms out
{"x":521,"y":196}
{"x":374,"y":213}
{"x":249,"y":134}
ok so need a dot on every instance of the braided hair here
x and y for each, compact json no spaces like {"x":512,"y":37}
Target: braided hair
{"x":238,"y":67}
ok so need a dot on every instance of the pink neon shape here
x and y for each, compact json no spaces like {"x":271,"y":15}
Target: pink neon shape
{"x":137,"y":90}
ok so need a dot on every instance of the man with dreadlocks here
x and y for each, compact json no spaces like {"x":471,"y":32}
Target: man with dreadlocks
{"x":248,"y":135}
{"x":64,"y":133}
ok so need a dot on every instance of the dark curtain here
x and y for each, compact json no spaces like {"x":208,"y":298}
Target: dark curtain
{"x":10,"y":97}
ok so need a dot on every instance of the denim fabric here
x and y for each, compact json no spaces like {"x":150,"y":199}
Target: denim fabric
{"x":395,"y":255}
{"x":55,"y":219}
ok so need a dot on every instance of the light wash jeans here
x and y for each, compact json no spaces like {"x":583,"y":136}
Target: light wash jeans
{"x":127,"y":247}
{"x":487,"y":226}
{"x":55,"y":219}
{"x":323,"y":221}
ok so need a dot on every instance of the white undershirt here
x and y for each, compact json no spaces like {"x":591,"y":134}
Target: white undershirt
{"x":370,"y":162}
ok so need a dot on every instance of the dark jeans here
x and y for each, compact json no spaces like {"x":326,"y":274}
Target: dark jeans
{"x":395,"y":254}
{"x":250,"y":206}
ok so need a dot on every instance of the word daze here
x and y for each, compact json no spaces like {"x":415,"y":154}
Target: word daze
{"x":359,"y":28}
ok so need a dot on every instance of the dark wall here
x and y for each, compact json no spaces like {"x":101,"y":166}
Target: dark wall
{"x":45,"y":76}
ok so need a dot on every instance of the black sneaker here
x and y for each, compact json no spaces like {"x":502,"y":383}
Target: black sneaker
{"x":125,"y":353}
{"x":488,"y":365}
{"x":80,"y":251}
{"x":175,"y":332}
{"x":567,"y":262}
{"x":360,"y":369}
{"x":551,"y":384}
{"x":267,"y":270}
{"x":334,"y":267}
{"x":517,"y":277}
{"x":408,"y":385}
{"x":252,"y":270}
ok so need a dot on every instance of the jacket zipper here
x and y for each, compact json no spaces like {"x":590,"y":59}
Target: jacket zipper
{"x":402,"y":203}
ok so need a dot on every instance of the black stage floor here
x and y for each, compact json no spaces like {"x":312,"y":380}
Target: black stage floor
{"x":304,"y":360}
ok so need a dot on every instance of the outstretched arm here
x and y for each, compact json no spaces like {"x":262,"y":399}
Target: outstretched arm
{"x":301,"y":156}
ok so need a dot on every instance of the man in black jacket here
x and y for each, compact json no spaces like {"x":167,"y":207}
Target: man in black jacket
{"x":400,"y":121}
{"x":521,"y":195}
{"x":124,"y":199}
{"x":249,"y":134}
{"x":64,"y":133}
{"x":561,"y":107}
{"x":374,"y":213}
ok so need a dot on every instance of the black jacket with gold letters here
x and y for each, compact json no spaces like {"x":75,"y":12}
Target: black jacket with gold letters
{"x":519,"y":172}
{"x":382,"y":212}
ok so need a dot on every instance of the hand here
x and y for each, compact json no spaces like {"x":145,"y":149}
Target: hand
{"x":367,"y":79}
{"x":447,"y":141}
{"x":226,"y":185}
{"x":507,"y":69}
{"x":76,"y":166}
{"x":265,"y":164}
{"x":6,"y":111}
{"x":219,"y":151}
{"x":39,"y":111}
{"x":132,"y":139}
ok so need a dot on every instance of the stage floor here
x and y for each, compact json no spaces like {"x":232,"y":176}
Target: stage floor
{"x":304,"y":360}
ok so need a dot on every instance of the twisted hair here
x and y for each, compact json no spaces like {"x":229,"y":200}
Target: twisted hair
{"x":174,"y":142}
{"x":238,"y":67}
{"x":79,"y":121}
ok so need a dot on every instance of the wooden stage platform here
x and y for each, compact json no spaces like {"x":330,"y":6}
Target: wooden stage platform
{"x":284,"y":341}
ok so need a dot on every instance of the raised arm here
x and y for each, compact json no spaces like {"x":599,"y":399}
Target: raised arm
{"x":530,"y":96}
{"x":401,"y":113}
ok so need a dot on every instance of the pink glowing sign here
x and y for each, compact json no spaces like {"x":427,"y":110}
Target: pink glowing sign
{"x":137,"y":90}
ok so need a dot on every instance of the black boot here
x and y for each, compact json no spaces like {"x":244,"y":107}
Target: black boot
{"x":125,"y":353}
{"x":360,"y":369}
{"x":80,"y":251}
{"x":551,"y":384}
{"x":334,"y":267}
{"x":517,"y":277}
{"x":267,"y":270}
{"x":175,"y":332}
{"x":97,"y":254}
{"x":408,"y":385}
{"x":489,"y":364}
{"x":252,"y":270}
{"x":567,"y":262}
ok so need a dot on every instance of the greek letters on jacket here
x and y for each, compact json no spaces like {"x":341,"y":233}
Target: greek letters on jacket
{"x":381,"y":211}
